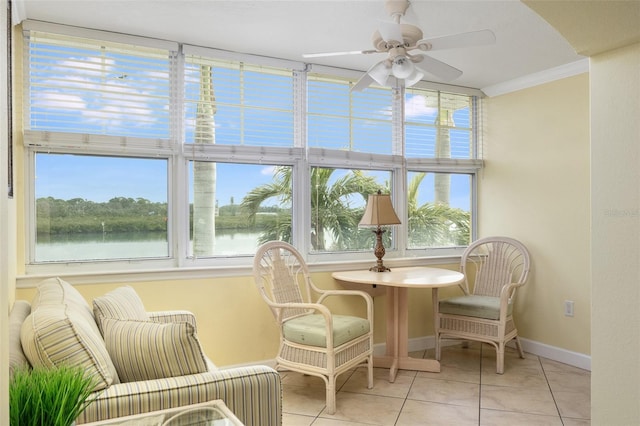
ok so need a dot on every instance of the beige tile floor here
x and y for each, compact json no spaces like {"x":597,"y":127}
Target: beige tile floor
{"x":532,"y":391}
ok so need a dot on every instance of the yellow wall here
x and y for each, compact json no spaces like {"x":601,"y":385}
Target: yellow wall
{"x":7,"y":229}
{"x":615,"y":250}
{"x":234,"y":324}
{"x":535,"y":187}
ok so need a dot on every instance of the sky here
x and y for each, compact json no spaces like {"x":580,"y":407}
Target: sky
{"x":102,"y":178}
{"x":99,"y":179}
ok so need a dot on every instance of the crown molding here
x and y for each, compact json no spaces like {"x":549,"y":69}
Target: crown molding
{"x":552,"y":74}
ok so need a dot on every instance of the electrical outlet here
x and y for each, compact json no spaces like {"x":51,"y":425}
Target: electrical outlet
{"x":568,"y":308}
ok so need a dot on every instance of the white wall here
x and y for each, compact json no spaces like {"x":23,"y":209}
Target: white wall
{"x":615,"y":243}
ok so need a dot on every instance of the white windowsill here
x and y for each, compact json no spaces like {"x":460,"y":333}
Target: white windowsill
{"x":187,"y":273}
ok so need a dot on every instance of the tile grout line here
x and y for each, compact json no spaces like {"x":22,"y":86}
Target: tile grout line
{"x":413,"y":380}
{"x":546,"y":378}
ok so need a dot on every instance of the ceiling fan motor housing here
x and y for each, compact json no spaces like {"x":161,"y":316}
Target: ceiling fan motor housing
{"x":410,"y":36}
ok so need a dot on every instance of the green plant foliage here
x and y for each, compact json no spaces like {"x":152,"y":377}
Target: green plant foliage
{"x":48,"y":396}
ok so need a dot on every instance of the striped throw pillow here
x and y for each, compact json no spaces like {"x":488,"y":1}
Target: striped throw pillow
{"x":122,"y":303}
{"x":145,"y":350}
{"x":54,"y":335}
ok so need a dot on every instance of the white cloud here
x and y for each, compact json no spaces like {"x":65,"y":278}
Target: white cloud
{"x":416,"y":106}
{"x":60,"y":101}
{"x":267,"y":171}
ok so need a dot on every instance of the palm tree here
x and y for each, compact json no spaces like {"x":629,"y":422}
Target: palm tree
{"x":435,"y":224}
{"x":204,"y":173}
{"x":331,"y":211}
{"x":442,"y":181}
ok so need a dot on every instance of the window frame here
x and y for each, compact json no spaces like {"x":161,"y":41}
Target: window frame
{"x":300,"y":157}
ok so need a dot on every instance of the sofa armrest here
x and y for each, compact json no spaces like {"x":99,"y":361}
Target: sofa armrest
{"x":253,"y":394}
{"x":173,"y":316}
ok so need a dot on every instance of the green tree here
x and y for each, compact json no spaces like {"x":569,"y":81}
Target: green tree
{"x":435,"y":224}
{"x":330,"y":206}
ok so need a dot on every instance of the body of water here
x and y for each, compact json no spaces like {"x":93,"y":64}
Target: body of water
{"x":128,"y":246}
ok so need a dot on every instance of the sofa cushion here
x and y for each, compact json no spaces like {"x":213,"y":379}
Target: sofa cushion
{"x":311,"y":329}
{"x":122,"y":303}
{"x":57,"y":334}
{"x":56,"y":291}
{"x":21,"y":310}
{"x":145,"y":350}
{"x":473,"y":306}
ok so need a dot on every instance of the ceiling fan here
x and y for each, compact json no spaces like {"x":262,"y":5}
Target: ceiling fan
{"x":398,"y":39}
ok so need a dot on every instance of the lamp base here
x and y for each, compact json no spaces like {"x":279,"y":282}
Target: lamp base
{"x":379,"y":252}
{"x":379,"y":268}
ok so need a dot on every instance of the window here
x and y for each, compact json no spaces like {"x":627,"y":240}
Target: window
{"x":97,"y":87}
{"x":438,"y":124}
{"x":100,"y":208}
{"x":439,"y":210}
{"x":236,"y":207}
{"x":338,"y":200}
{"x":341,"y":120}
{"x":176,"y":155}
{"x":233,"y":103}
{"x":442,"y":162}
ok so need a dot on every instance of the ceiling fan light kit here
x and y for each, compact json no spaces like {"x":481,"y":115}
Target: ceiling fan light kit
{"x":397,"y":39}
{"x":402,"y":67}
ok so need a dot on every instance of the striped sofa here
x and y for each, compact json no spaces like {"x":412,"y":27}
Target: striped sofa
{"x":141,"y":361}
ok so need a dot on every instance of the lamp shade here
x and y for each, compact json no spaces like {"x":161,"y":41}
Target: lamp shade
{"x":379,"y":211}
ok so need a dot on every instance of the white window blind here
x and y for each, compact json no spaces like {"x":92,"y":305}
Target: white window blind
{"x":97,"y":87}
{"x":235,"y":103}
{"x":438,"y":125}
{"x":341,"y":120}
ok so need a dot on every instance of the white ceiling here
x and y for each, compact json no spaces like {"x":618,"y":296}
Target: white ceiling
{"x":526,"y":44}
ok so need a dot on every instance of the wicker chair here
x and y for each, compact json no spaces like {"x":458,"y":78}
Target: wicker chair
{"x":312,"y":340}
{"x":500,"y":266}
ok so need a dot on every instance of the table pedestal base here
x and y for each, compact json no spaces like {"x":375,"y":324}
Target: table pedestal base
{"x":405,"y":363}
{"x":397,"y":356}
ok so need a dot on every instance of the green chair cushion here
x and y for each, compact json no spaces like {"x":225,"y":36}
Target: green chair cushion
{"x":473,"y":306}
{"x":311,"y":329}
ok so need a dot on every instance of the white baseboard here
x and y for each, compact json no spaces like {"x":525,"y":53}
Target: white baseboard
{"x":553,"y":353}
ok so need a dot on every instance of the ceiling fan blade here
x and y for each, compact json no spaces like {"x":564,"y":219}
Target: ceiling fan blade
{"x":415,"y":77}
{"x":351,"y":52}
{"x":364,"y":82}
{"x":437,"y":68}
{"x":390,"y":31}
{"x":473,"y":38}
{"x":378,"y":73}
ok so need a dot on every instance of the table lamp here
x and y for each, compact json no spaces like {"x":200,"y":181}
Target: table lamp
{"x":379,"y":212}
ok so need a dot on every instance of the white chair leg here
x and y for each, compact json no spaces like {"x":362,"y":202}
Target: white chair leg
{"x":519,"y":346}
{"x":370,"y":372}
{"x":438,"y":354}
{"x":500,"y":358}
{"x":331,"y":395}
